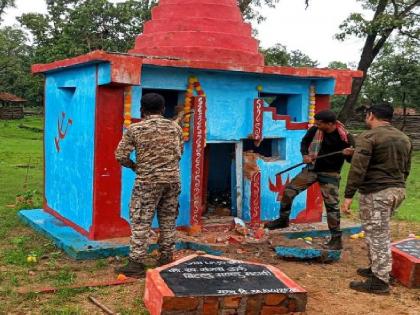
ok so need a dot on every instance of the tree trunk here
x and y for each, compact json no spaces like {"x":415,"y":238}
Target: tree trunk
{"x":370,"y":51}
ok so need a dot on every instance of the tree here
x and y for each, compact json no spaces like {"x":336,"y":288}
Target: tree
{"x":15,"y":63}
{"x":249,"y":8}
{"x":279,"y":56}
{"x":395,"y":76}
{"x":401,"y":16}
{"x":337,"y":65}
{"x":4,"y":4}
{"x":75,"y":27}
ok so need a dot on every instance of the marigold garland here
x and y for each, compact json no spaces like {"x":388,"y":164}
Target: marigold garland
{"x":193,"y":85}
{"x":312,"y":104}
{"x":127,"y":107}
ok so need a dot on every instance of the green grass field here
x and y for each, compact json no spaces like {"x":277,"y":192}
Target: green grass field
{"x":21,"y":173}
{"x":409,"y":211}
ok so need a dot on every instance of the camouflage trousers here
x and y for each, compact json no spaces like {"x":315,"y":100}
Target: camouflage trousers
{"x":146,"y":199}
{"x":376,"y":210}
{"x":329,"y":183}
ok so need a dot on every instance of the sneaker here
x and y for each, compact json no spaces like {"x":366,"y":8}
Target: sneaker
{"x":335,"y":243}
{"x":371,"y":285}
{"x":279,"y":223}
{"x":132,"y":269}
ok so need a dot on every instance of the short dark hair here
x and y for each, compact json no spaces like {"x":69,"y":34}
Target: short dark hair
{"x":152,"y":103}
{"x":382,"y":111}
{"x":327,"y":116}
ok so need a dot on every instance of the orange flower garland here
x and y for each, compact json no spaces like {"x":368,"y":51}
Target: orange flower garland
{"x":312,"y":104}
{"x":193,"y":85}
{"x":127,"y":107}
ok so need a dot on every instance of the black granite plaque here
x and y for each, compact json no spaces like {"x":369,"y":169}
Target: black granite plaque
{"x":411,"y":247}
{"x":205,"y":276}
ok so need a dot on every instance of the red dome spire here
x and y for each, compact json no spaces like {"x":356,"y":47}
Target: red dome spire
{"x":199,"y":30}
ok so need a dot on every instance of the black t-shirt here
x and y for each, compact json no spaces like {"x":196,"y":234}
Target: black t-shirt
{"x":332,"y":142}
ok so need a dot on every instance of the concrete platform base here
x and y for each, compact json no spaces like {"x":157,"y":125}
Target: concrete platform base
{"x":80,"y":247}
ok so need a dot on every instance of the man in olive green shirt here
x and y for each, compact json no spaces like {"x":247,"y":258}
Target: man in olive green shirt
{"x":379,"y":170}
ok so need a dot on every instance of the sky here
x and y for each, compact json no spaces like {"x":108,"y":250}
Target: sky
{"x":310,"y":31}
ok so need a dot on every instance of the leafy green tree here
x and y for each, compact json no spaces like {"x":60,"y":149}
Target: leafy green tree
{"x":4,"y":4}
{"x":395,"y":76}
{"x":389,"y":16}
{"x":250,"y":8}
{"x":75,"y":27}
{"x":279,"y":56}
{"x":15,"y":62}
{"x":337,"y":65}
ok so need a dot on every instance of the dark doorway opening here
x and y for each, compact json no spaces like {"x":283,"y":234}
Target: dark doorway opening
{"x":173,"y":98}
{"x":219,"y":178}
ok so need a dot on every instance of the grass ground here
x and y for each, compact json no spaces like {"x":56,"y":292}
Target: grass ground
{"x":21,"y":187}
{"x":409,"y":211}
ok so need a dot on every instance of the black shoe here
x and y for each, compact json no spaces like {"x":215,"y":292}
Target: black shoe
{"x":371,"y":285}
{"x":365,"y":272}
{"x":132,"y":269}
{"x":335,"y":243}
{"x":164,"y":260}
{"x":279,"y":223}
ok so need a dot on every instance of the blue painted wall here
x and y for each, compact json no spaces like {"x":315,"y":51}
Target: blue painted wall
{"x":230,"y":97}
{"x":128,"y":176}
{"x":69,"y":173}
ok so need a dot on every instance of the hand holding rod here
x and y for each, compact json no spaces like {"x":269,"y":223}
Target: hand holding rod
{"x":302,"y":163}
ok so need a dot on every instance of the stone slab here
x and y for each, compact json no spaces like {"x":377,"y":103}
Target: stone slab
{"x":217,"y":285}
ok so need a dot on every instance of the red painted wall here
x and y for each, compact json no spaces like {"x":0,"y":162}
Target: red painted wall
{"x":107,"y":221}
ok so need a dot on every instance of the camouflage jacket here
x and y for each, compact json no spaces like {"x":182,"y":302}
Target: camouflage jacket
{"x":382,"y":159}
{"x":158,"y":145}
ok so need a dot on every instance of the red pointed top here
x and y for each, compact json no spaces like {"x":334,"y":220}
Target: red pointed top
{"x":199,"y":30}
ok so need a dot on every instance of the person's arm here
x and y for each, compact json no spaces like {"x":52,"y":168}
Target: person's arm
{"x":407,"y":171}
{"x":124,"y":149}
{"x":305,"y":143}
{"x":181,"y":139}
{"x":359,"y":165}
{"x":307,"y":140}
{"x":348,"y":152}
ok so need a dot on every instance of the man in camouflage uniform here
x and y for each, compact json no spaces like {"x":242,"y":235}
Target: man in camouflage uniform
{"x":379,"y":170}
{"x":158,"y":145}
{"x":326,"y":171}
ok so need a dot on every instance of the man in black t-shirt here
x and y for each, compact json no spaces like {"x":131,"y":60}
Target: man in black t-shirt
{"x":327,"y":136}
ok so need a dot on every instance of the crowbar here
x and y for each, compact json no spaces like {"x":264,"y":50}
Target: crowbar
{"x":302,"y":163}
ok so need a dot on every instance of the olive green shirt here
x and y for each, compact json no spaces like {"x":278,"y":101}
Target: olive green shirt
{"x":382,"y":159}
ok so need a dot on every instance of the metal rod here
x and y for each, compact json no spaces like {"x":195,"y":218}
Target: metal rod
{"x":302,"y":163}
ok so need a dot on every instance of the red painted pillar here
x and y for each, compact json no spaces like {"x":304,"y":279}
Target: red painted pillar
{"x":107,"y":221}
